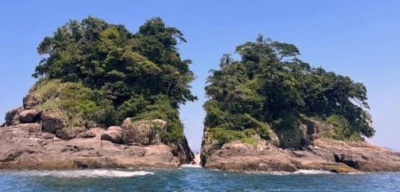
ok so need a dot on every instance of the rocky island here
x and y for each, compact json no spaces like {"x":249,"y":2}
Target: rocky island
{"x":271,"y":111}
{"x":109,"y":98}
{"x":105,"y":98}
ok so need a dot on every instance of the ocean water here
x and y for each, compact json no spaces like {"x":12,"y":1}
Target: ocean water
{"x":190,"y":178}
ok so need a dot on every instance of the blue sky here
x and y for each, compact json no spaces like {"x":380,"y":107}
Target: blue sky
{"x":358,"y":38}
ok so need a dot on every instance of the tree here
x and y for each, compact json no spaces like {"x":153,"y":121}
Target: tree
{"x":127,"y":69}
{"x":271,"y":86}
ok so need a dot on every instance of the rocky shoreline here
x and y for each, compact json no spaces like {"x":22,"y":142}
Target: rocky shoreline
{"x":24,"y":146}
{"x":324,"y":154}
{"x":41,"y":141}
{"x":28,"y":145}
{"x":311,"y":151}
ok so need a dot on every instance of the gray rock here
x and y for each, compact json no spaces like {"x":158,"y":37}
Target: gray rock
{"x":69,"y":133}
{"x":315,"y":127}
{"x":183,"y":151}
{"x":51,"y":122}
{"x":30,"y":127}
{"x":14,"y":154}
{"x":27,"y":116}
{"x":12,"y":116}
{"x":43,"y":151}
{"x":112,"y":134}
{"x":86,"y":134}
{"x":117,"y":129}
{"x":142,"y":132}
{"x":327,"y":154}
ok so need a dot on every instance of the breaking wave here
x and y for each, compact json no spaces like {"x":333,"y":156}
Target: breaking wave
{"x":299,"y":172}
{"x":86,"y":173}
{"x":190,"y":166}
{"x":312,"y":172}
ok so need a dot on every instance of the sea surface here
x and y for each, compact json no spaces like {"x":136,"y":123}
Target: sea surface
{"x":191,"y":178}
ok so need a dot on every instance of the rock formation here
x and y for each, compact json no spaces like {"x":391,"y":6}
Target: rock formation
{"x":63,"y":119}
{"x":112,"y":134}
{"x":316,"y":152}
{"x":142,"y":132}
{"x":32,"y":140}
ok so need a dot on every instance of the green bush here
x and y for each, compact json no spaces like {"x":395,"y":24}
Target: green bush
{"x":342,"y":129}
{"x":250,"y":140}
{"x":47,"y":88}
{"x":250,"y":132}
{"x":72,"y":101}
{"x":226,"y":136}
{"x":161,"y":108}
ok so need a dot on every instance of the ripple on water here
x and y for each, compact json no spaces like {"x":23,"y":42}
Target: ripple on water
{"x":190,"y":178}
{"x":84,"y":173}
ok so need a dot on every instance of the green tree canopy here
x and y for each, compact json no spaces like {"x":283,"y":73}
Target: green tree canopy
{"x":128,"y":72}
{"x":270,"y":85}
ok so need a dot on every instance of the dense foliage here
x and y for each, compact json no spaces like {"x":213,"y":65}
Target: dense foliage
{"x":270,"y":86}
{"x":101,"y":73}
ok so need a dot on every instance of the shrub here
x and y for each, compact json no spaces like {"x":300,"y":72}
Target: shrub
{"x":76,"y":103}
{"x":47,"y":88}
{"x":162,"y":109}
{"x":250,"y":132}
{"x":343,"y":130}
{"x":250,"y":140}
{"x":226,"y":136}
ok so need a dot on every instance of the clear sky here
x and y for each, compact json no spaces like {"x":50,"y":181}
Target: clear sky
{"x":358,"y":38}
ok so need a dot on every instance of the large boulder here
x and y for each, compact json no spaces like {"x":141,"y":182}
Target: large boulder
{"x":12,"y":116}
{"x":315,"y":128}
{"x":51,"y":122}
{"x":86,"y":134}
{"x":117,"y":129}
{"x":31,"y":100}
{"x":292,"y":138}
{"x":305,"y":138}
{"x":69,"y":133}
{"x":28,"y":116}
{"x":143,"y":132}
{"x":112,"y":134}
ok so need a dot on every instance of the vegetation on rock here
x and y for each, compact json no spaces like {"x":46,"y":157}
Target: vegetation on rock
{"x":269,"y":90}
{"x":96,"y":73}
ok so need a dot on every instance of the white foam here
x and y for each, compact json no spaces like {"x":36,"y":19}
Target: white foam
{"x":299,"y":172}
{"x":190,"y":166}
{"x":311,"y":172}
{"x":87,"y":173}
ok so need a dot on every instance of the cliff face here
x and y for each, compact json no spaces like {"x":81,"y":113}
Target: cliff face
{"x":33,"y":140}
{"x":312,"y":152}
